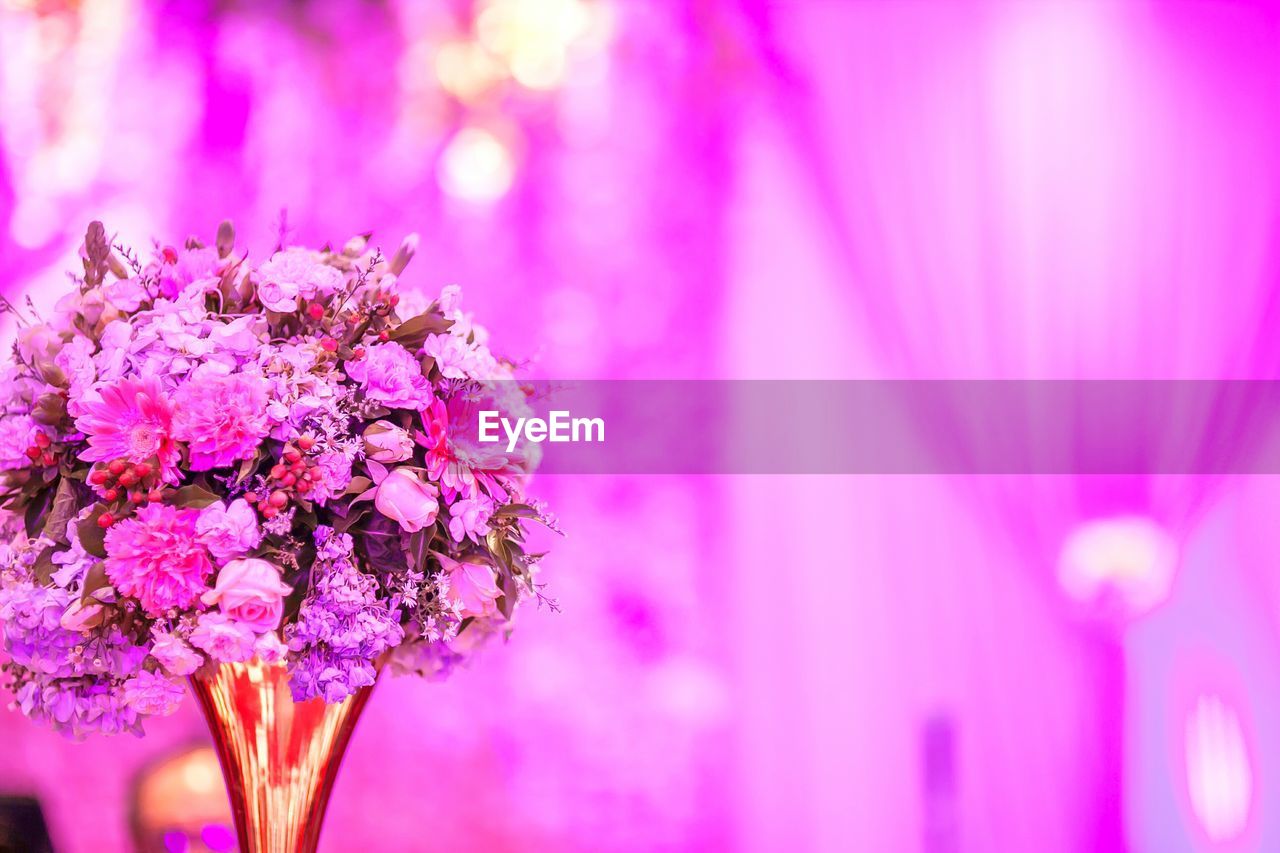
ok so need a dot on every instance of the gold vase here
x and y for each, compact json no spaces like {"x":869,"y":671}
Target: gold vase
{"x":279,"y":757}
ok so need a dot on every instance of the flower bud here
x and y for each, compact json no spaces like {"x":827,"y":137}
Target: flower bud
{"x":386,"y":443}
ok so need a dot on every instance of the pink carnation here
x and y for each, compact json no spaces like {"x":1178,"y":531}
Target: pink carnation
{"x":174,"y":655}
{"x":222,"y":418}
{"x":391,"y":375}
{"x":229,"y":531}
{"x":222,"y":638}
{"x":157,"y":558}
{"x":133,"y":421}
{"x":292,"y":273}
{"x":148,"y":693}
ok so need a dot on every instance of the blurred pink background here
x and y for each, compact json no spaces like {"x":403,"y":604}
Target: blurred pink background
{"x":715,"y":189}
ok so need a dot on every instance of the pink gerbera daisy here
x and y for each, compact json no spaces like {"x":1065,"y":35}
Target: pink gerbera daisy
{"x":457,"y":459}
{"x":132,"y":421}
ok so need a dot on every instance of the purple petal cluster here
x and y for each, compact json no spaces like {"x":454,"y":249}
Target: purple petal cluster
{"x":342,"y":628}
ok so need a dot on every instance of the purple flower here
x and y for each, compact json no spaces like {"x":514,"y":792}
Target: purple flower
{"x":389,"y":374}
{"x":152,"y":695}
{"x":222,"y":638}
{"x":341,"y":628}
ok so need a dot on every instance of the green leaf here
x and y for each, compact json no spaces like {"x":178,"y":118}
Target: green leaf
{"x":195,"y":496}
{"x":358,"y":485}
{"x":94,"y":580}
{"x":93,"y":537}
{"x":44,"y":567}
{"x":35,"y":513}
{"x":247,"y":466}
{"x":412,"y":332}
{"x":64,"y":508}
{"x":516,"y":511}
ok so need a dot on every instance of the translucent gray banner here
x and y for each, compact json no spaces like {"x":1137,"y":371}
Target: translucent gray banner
{"x":895,"y":427}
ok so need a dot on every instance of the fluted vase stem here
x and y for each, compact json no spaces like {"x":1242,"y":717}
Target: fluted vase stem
{"x":279,"y":757}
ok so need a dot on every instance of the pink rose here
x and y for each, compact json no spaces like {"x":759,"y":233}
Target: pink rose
{"x":471,"y":587}
{"x":406,"y":498}
{"x":385,"y":442}
{"x":250,"y":592}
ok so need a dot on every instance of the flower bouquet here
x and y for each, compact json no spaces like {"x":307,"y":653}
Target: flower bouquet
{"x":265,"y":479}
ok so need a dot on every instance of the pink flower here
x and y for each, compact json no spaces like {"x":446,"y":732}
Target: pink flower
{"x":223,"y":418}
{"x":404,"y":497}
{"x":269,"y":648}
{"x":17,"y":433}
{"x":471,"y":587}
{"x":151,"y":694}
{"x":223,"y":638}
{"x":469,"y":518}
{"x":250,"y":591}
{"x":133,"y":420}
{"x":391,"y":375}
{"x":456,"y":457}
{"x":157,"y":558}
{"x":190,"y":267}
{"x":174,"y":655}
{"x":385,"y":442}
{"x":229,"y":531}
{"x":292,"y":273}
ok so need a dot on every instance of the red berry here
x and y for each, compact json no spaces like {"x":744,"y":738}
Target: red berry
{"x":251,"y":497}
{"x":105,"y":520}
{"x":278,"y":470}
{"x":48,"y":459}
{"x":299,"y":467}
{"x":155,"y":496}
{"x":137,"y":497}
{"x":304,"y":486}
{"x":306,"y":442}
{"x":270,"y":512}
{"x":43,"y":440}
{"x":329,"y":344}
{"x":316,"y":310}
{"x":357,"y":353}
{"x":117,"y":466}
{"x":279,"y":499}
{"x":98,"y":477}
{"x":384,"y":336}
{"x":142,"y":470}
{"x":169,"y":254}
{"x":291,"y":455}
{"x":111,"y":495}
{"x":128,"y":478}
{"x":33,"y":453}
